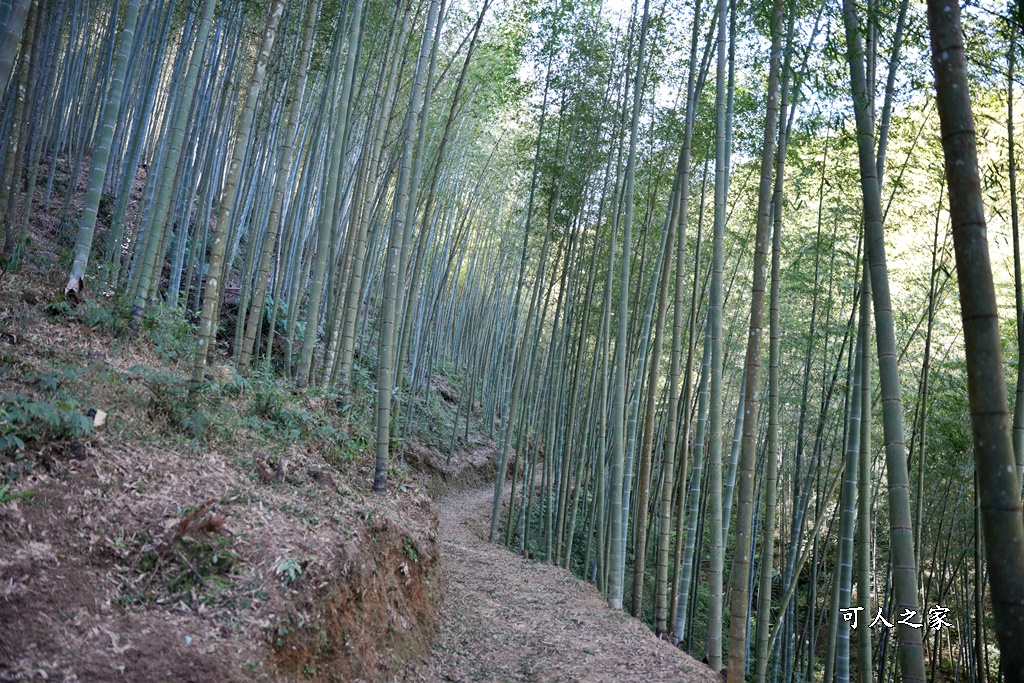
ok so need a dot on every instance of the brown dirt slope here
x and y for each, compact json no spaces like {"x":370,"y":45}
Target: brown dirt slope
{"x":135,"y":551}
{"x":506,"y":618}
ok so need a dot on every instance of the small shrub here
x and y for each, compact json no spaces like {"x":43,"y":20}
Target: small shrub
{"x":208,"y":558}
{"x":23,"y":421}
{"x":50,"y":381}
{"x":288,"y":568}
{"x":234,"y":387}
{"x":267,"y":402}
{"x":194,"y":568}
{"x":173,"y":337}
{"x":60,"y":309}
{"x":353,"y":447}
{"x":276,"y":418}
{"x":171,"y":402}
{"x":410,"y":549}
{"x":67,"y":230}
{"x":6,"y":497}
{"x":108,"y":319}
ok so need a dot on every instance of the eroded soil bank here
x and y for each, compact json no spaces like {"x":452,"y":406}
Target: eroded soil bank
{"x":228,"y":535}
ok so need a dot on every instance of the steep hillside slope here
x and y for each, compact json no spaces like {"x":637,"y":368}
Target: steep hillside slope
{"x":228,"y":535}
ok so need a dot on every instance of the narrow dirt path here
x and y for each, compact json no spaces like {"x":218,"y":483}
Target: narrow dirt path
{"x":506,"y":618}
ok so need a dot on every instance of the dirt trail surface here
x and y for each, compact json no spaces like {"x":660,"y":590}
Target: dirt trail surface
{"x":506,"y":618}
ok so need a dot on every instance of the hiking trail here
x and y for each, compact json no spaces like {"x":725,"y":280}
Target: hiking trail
{"x":506,"y":618}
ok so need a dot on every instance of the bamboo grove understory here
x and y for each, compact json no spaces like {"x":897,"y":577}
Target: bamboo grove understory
{"x":578,"y":213}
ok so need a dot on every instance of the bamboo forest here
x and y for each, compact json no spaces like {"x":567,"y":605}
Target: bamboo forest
{"x":481,"y":340}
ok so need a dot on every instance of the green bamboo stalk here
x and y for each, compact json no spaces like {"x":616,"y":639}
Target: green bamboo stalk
{"x":679,"y":629}
{"x":1018,"y":282}
{"x":13,"y":154}
{"x":176,"y":135}
{"x":739,"y":598}
{"x":212,"y":290}
{"x":385,"y":367}
{"x":997,"y":483}
{"x":326,"y":225}
{"x":13,"y":31}
{"x":864,"y":502}
{"x":353,"y":294}
{"x":764,"y":591}
{"x":900,"y":523}
{"x":100,"y":157}
{"x":254,"y":319}
{"x":715,"y":604}
{"x":618,"y":532}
